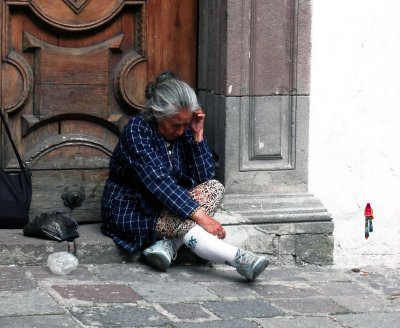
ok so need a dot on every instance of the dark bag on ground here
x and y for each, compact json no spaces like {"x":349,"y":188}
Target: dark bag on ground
{"x":15,"y":191}
{"x":58,"y":226}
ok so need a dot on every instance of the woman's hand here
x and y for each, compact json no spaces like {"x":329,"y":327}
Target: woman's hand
{"x":197,"y":124}
{"x":209,"y":224}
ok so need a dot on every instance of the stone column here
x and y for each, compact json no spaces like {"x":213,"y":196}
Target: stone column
{"x":253,"y":79}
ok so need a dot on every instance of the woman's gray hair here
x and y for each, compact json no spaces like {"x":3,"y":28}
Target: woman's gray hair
{"x":167,"y":96}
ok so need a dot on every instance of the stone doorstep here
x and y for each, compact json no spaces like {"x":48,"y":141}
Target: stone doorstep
{"x":92,"y":247}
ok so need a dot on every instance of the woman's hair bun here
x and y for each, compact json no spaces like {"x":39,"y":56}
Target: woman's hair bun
{"x":152,"y":85}
{"x":165,"y":75}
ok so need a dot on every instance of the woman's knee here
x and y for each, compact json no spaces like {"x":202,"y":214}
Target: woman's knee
{"x":216,"y":188}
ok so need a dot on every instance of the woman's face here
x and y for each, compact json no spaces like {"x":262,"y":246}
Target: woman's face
{"x":173,"y":127}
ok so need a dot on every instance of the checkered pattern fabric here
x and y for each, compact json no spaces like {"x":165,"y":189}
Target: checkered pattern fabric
{"x":147,"y":175}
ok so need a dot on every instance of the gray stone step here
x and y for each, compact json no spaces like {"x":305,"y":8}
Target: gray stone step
{"x":90,"y":247}
{"x":287,"y":241}
{"x":277,"y":208}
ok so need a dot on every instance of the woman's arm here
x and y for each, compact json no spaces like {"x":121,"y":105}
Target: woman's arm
{"x":199,"y":157}
{"x":208,"y":223}
{"x":197,"y":125}
{"x":151,"y":170}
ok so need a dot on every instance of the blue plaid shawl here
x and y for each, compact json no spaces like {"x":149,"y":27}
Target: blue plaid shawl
{"x":145,"y":175}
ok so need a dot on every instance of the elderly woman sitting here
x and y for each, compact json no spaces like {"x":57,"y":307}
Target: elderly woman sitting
{"x":161,"y":191}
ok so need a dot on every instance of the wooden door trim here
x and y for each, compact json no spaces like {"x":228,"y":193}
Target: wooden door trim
{"x":115,"y":7}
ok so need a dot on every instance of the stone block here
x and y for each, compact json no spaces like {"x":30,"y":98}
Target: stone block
{"x":160,"y":292}
{"x":304,"y":46}
{"x":298,"y":228}
{"x":32,"y":302}
{"x":23,"y":250}
{"x":119,"y":316}
{"x":100,"y":293}
{"x":287,"y":245}
{"x":14,"y":279}
{"x":184,"y":311}
{"x":241,"y":323}
{"x":243,"y":309}
{"x":250,"y":238}
{"x":314,"y":249}
{"x":93,"y":247}
{"x":284,"y":260}
{"x":42,"y":321}
{"x":298,"y":322}
{"x":5,"y":256}
{"x":369,"y":320}
{"x":310,"y":305}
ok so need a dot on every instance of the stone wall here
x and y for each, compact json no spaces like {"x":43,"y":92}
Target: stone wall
{"x":254,"y":64}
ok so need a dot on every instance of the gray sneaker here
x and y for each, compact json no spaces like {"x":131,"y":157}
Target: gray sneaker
{"x":249,"y":264}
{"x":160,"y":254}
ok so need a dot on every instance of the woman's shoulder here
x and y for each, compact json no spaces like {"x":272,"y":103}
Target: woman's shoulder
{"x":137,"y":124}
{"x":137,"y":120}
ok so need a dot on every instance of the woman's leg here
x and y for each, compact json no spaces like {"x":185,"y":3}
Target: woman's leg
{"x":172,"y":229}
{"x":202,"y":243}
{"x":209,"y":247}
{"x":209,"y":196}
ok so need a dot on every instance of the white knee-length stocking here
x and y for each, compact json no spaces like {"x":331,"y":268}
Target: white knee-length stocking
{"x":209,"y":247}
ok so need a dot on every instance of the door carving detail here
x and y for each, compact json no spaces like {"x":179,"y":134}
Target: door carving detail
{"x":17,"y":69}
{"x":77,"y":5}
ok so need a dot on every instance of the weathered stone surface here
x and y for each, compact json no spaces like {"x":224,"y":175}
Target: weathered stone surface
{"x":255,"y":56}
{"x":250,"y":238}
{"x":231,"y":291}
{"x":370,"y":320}
{"x":298,"y":228}
{"x":162,"y":292}
{"x":29,"y":302}
{"x":298,"y":322}
{"x":314,"y":249}
{"x":341,"y":288}
{"x":119,"y":316}
{"x":81,"y":273}
{"x":243,"y":309}
{"x":42,"y":321}
{"x":184,"y":311}
{"x":93,"y":247}
{"x":27,"y":250}
{"x":5,"y":256}
{"x":199,"y":297}
{"x":104,"y":293}
{"x":366,"y":303}
{"x":304,"y":46}
{"x":287,"y":245}
{"x":14,"y":279}
{"x":282,"y":243}
{"x":309,"y":305}
{"x":298,"y":290}
{"x":277,"y":208}
{"x":218,"y":324}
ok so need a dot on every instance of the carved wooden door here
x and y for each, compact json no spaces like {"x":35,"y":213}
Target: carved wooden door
{"x":72,"y":71}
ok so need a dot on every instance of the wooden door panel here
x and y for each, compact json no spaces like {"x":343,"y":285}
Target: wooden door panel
{"x":72,"y":73}
{"x":90,"y":180}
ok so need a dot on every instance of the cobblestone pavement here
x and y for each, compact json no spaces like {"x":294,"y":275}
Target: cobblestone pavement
{"x":197,"y":296}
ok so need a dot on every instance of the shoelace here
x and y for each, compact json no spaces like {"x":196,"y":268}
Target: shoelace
{"x":244,"y":258}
